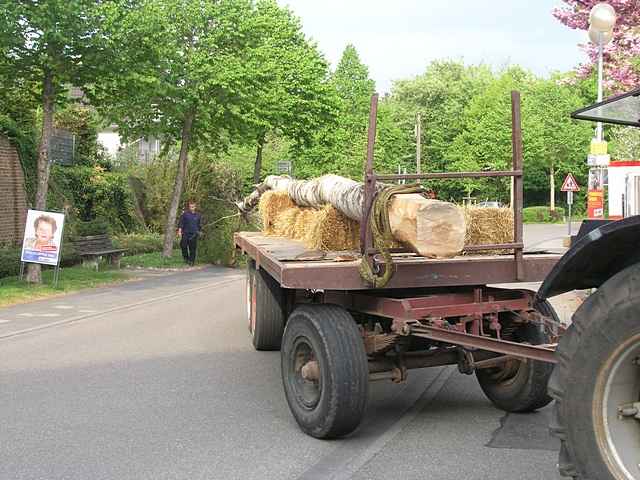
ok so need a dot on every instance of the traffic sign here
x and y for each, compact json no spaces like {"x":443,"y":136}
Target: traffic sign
{"x":570,"y":184}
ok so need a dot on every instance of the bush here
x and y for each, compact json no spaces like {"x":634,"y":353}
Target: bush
{"x":543,"y":215}
{"x":138,"y":243}
{"x":9,"y":261}
{"x":98,"y":226}
{"x":214,"y":185}
{"x":93,"y":193}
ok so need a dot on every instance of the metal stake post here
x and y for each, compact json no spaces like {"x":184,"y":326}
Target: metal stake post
{"x":418,"y":143}
{"x":569,"y":204}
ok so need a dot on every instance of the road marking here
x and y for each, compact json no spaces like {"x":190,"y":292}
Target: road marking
{"x":343,"y":462}
{"x":26,"y":314}
{"x":120,"y":307}
{"x":49,"y":315}
{"x":5,"y":321}
{"x":63,"y":307}
{"x":87,"y":311}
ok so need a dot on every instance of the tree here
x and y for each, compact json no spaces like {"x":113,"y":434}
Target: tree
{"x":296,"y":99}
{"x":47,"y":46}
{"x":340,"y":146}
{"x":441,"y":95}
{"x":553,"y":144}
{"x":622,"y":70}
{"x":189,"y":73}
{"x":555,"y":141}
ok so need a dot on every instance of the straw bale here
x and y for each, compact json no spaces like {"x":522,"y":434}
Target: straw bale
{"x":271,"y":205}
{"x":489,"y":225}
{"x":332,"y":230}
{"x":304,"y":222}
{"x":285,"y":223}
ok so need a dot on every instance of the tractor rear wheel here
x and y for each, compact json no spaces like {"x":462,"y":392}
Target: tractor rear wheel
{"x":596,"y":384}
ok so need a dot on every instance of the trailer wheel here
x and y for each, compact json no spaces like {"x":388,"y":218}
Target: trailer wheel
{"x":520,"y":386}
{"x":265,"y":309}
{"x":596,"y":384}
{"x":325,"y":370}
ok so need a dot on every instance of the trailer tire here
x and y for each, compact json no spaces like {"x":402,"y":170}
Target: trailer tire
{"x":333,"y":402}
{"x":597,"y":371}
{"x":520,"y":386}
{"x":265,"y":309}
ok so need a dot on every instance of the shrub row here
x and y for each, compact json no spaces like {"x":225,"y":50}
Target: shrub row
{"x":542,"y":215}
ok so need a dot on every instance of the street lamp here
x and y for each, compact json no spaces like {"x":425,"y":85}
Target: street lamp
{"x":602,"y":19}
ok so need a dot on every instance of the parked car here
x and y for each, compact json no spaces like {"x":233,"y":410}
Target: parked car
{"x":488,"y":204}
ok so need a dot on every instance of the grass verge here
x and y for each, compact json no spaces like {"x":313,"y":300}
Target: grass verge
{"x":155,"y":260}
{"x":13,"y":290}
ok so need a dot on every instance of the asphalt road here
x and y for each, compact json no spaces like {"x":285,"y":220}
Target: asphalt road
{"x":157,"y":380}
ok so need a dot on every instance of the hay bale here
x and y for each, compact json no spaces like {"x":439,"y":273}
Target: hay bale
{"x":489,"y":225}
{"x":329,"y":229}
{"x":303,"y":222}
{"x":285,"y":222}
{"x":271,"y":205}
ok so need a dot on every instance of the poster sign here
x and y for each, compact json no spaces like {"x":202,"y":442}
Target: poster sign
{"x":595,"y":194}
{"x":42,"y":237}
{"x":595,"y":204}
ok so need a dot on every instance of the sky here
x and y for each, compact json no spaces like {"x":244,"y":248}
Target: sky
{"x":397,"y":39}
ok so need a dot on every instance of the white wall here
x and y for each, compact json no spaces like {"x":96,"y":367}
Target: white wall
{"x":110,"y":141}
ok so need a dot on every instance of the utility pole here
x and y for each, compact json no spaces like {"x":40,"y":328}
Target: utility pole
{"x":418,"y":142}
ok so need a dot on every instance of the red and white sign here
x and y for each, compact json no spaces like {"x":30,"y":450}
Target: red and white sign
{"x":570,"y":184}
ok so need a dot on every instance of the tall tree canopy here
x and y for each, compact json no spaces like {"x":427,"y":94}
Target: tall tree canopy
{"x":340,"y":147}
{"x":295,"y":97}
{"x":441,"y":95}
{"x":46,"y":46}
{"x":206,"y":73}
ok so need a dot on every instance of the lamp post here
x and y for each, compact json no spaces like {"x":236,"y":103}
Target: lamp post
{"x":602,"y":19}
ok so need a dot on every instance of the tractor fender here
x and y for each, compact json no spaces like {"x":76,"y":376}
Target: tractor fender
{"x":595,"y":258}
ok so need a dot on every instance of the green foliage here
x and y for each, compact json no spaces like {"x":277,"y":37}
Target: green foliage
{"x":138,"y":243}
{"x":543,"y":215}
{"x":90,"y":192}
{"x":9,"y":261}
{"x":215,"y":186}
{"x":97,"y":226}
{"x":340,"y":147}
{"x":153,"y":186}
{"x":441,"y":95}
{"x":83,"y":122}
{"x":23,"y":137}
{"x":295,"y":98}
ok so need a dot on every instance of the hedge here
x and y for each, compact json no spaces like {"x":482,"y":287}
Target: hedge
{"x":543,"y":215}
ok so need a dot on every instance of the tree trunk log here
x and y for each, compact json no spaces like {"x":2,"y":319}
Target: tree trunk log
{"x":48,"y":97}
{"x":170,"y":225}
{"x":343,"y":193}
{"x":431,"y":227}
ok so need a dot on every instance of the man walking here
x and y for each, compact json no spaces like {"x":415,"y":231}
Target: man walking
{"x":189,"y":227}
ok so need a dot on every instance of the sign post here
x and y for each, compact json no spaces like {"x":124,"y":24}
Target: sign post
{"x":570,"y":185}
{"x":43,"y":240}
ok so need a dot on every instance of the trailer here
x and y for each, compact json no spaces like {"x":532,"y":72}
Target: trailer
{"x":336,"y":333}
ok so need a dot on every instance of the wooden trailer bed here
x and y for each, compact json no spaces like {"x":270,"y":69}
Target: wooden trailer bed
{"x":293,"y":266}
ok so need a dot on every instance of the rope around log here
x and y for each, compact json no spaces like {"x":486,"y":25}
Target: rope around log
{"x":381,"y":233}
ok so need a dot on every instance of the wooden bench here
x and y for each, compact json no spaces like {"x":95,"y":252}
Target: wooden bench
{"x":93,"y":248}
